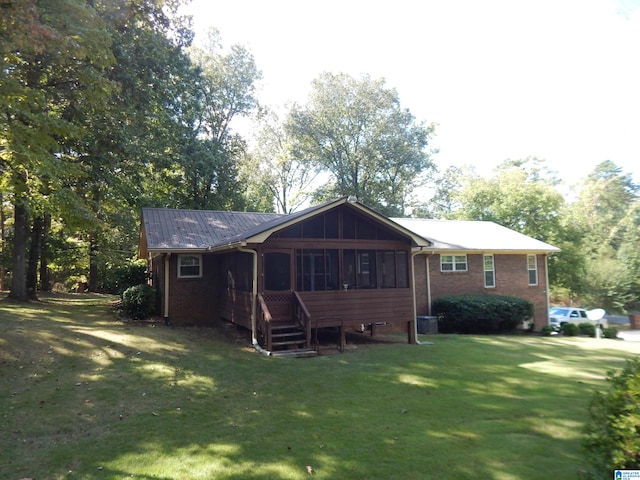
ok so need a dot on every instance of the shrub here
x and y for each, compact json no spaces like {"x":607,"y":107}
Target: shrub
{"x":612,"y":434}
{"x":481,"y":313}
{"x":547,"y":330}
{"x":116,"y":279}
{"x":610,"y":332}
{"x":569,"y":329}
{"x":588,"y":329}
{"x":139,"y":301}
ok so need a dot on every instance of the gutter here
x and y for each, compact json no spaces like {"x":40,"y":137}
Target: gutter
{"x":167,"y":278}
{"x":413,"y":287}
{"x":254,"y":299}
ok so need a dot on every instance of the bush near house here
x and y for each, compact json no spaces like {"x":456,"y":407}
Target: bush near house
{"x":481,"y":313}
{"x":569,"y":329}
{"x":588,"y":329}
{"x":139,"y":301}
{"x":612,"y":434}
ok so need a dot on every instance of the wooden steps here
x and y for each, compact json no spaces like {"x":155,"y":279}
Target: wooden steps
{"x":287,"y":339}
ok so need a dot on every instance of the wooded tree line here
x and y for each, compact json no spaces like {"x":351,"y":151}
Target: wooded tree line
{"x":116,"y":110}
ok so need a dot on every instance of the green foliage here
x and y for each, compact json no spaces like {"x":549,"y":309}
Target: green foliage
{"x":481,"y":313}
{"x":356,"y":131}
{"x":610,"y":332}
{"x":139,"y":301}
{"x":613,"y":431}
{"x":588,"y":329}
{"x":569,"y":329}
{"x":546,"y":330}
{"x":117,"y":279}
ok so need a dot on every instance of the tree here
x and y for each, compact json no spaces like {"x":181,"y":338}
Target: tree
{"x":445,"y":202}
{"x":207,"y":167}
{"x":522,"y":196}
{"x":356,"y":131}
{"x":603,"y":200}
{"x":605,"y":211}
{"x":129,"y":140}
{"x":50,"y":66}
{"x":286,"y":180}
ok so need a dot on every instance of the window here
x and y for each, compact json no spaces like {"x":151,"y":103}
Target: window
{"x":392,"y":269}
{"x":489,"y":272}
{"x":532,"y":267}
{"x":317,"y":270}
{"x":189,"y":266}
{"x":359,"y":269}
{"x":453,"y":263}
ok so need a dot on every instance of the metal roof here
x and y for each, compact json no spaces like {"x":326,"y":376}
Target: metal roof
{"x":170,"y":230}
{"x":165,"y":229}
{"x":474,"y":236}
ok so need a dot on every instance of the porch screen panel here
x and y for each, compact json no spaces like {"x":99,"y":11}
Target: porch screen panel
{"x":402,"y":269}
{"x":387,"y":269}
{"x":393,"y":269}
{"x":349,"y":268}
{"x":366,"y":268}
{"x":317,"y":270}
{"x":277,"y":271}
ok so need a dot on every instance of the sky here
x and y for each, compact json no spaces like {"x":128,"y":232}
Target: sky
{"x":501,"y":79}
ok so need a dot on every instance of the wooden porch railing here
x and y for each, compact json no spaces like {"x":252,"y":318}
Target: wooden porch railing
{"x":302,"y":317}
{"x":265,"y":320}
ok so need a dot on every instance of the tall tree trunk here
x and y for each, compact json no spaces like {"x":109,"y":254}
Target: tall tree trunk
{"x":34,"y":257}
{"x":94,"y":244}
{"x":19,"y":272}
{"x":94,"y":248}
{"x":2,"y":244}
{"x":45,"y":274}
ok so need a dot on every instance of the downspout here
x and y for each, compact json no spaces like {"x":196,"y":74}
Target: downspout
{"x":413,"y":287}
{"x":254,"y":299}
{"x":546,"y":275}
{"x":428,"y":268}
{"x":167,"y":277}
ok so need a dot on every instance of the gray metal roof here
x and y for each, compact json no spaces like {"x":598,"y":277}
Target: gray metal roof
{"x":474,"y":236}
{"x":169,"y":230}
{"x":172,"y":230}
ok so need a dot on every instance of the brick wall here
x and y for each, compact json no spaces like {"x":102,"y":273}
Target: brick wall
{"x":511,"y":278}
{"x":192,"y":301}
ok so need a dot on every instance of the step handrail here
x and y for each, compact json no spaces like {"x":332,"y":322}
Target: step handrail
{"x":302,"y":316}
{"x":266,"y":320}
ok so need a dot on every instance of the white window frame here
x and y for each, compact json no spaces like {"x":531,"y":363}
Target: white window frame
{"x":491,"y":270}
{"x":454,"y":263}
{"x":532,"y":269}
{"x":181,"y":258}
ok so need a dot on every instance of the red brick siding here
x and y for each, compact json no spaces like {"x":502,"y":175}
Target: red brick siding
{"x":192,"y":301}
{"x":511,"y":277}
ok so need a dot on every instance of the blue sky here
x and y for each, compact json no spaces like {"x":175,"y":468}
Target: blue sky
{"x":557,"y":79}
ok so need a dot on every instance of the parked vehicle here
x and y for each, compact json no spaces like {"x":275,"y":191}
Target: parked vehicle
{"x":560,"y":315}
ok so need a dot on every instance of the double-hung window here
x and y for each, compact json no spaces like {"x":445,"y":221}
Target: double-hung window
{"x":532,"y":268}
{"x":189,"y":266}
{"x":453,"y":263}
{"x":489,"y":271}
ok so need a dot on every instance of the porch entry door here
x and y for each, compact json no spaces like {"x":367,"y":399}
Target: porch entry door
{"x":277,"y":271}
{"x":277,"y":281}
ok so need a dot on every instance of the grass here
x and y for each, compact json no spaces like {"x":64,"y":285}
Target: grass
{"x":86,"y":396}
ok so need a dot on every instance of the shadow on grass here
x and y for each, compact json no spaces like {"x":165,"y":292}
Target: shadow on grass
{"x":90,"y":397}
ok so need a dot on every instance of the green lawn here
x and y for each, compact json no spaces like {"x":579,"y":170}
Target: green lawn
{"x":85,"y":396}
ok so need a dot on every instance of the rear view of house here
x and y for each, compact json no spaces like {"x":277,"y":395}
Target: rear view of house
{"x":336,"y":265}
{"x":283,"y":277}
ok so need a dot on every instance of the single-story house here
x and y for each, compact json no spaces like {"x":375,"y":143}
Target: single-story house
{"x":339,"y":264}
{"x":479,"y":257}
